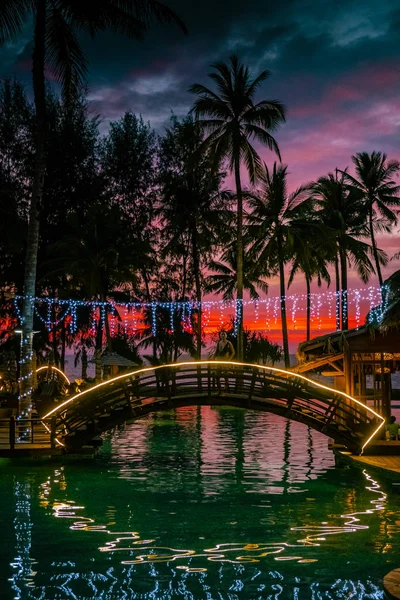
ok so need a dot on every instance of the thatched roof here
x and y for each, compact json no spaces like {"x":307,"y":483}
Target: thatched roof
{"x":109,"y":359}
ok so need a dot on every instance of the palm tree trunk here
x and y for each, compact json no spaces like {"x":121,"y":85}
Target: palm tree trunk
{"x":343,"y":269}
{"x":99,"y":348}
{"x":54,"y":331}
{"x":373,"y":242}
{"x":63,"y":341}
{"x":55,"y":345}
{"x":147,"y":285}
{"x":108,"y":334}
{"x":148,"y":295}
{"x":308,"y":283}
{"x":196,"y":269}
{"x":184,"y":277}
{"x":282,"y":285}
{"x":337,"y":299}
{"x":84,"y":363}
{"x":239,"y":262}
{"x":32,"y":246}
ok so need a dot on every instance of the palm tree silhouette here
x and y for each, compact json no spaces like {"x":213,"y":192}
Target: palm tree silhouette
{"x":232,"y":120}
{"x":271,"y":230}
{"x":193,"y":211}
{"x":310,"y":257}
{"x":374,"y":180}
{"x":342,"y":213}
{"x":224,"y":280}
{"x":56,"y":48}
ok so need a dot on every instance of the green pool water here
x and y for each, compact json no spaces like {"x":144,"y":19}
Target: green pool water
{"x":198,"y":504}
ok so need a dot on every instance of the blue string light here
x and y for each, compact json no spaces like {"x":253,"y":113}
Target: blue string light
{"x":238,"y":316}
{"x":374,"y":295}
{"x":154,"y":319}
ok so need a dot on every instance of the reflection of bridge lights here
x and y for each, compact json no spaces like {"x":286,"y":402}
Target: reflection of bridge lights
{"x":286,"y":373}
{"x":350,"y":525}
{"x":191,"y":569}
{"x":238,"y":554}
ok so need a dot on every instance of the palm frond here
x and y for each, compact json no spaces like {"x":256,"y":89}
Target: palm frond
{"x":263,"y":136}
{"x":254,"y":85}
{"x":13,"y":14}
{"x":64,"y":55}
{"x":252,"y":161}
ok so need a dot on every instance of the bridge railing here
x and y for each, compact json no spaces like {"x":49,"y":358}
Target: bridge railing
{"x":269,"y":388}
{"x":52,"y":373}
{"x":21,"y":433}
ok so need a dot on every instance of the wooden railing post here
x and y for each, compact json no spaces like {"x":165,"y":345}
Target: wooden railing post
{"x":168,"y":383}
{"x":53,"y":432}
{"x":12,"y":433}
{"x":252,"y":383}
{"x":199,"y":379}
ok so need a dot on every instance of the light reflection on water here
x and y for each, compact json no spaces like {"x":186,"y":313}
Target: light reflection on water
{"x":201,"y":503}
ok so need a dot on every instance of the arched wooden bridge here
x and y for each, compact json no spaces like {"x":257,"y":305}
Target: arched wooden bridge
{"x":127,"y":397}
{"x":50,"y":373}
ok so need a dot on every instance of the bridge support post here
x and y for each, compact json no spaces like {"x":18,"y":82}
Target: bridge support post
{"x":53,"y":433}
{"x":331,"y":411}
{"x":252,"y":385}
{"x":199,"y":380}
{"x":168,"y":384}
{"x":11,"y":433}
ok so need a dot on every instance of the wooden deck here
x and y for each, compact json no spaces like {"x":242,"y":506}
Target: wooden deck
{"x":388,"y":464}
{"x":391,"y":583}
{"x":29,"y":450}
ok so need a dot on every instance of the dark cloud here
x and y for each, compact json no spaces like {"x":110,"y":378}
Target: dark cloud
{"x":334,"y":64}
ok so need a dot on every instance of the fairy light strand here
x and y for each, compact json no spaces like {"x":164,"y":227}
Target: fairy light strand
{"x":375,"y":296}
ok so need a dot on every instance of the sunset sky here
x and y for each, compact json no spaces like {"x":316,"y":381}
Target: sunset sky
{"x":334,"y":64}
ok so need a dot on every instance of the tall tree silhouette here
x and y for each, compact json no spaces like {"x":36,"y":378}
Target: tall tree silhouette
{"x":381,"y":194}
{"x":56,"y":48}
{"x":272,"y":229}
{"x":310,"y":257}
{"x":232,"y":120}
{"x":224,"y":280}
{"x":341,"y":210}
{"x":193,"y":211}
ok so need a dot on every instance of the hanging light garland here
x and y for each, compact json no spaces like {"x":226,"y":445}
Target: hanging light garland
{"x":372,"y":295}
{"x":294,"y":308}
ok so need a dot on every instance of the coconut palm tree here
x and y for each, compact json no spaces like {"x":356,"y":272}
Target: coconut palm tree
{"x":170,"y":340}
{"x":311,"y":257}
{"x":232,"y":120}
{"x":56,"y":48}
{"x":380,"y":193}
{"x":341,"y":211}
{"x":224,"y":280}
{"x":271,"y":231}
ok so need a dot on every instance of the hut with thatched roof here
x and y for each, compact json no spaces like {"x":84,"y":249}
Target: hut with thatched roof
{"x":112,"y":363}
{"x":360,"y":360}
